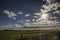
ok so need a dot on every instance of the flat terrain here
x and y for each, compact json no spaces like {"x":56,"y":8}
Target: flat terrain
{"x":48,"y":28}
{"x":29,"y":35}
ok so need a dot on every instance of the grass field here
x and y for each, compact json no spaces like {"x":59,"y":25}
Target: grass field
{"x":29,"y":35}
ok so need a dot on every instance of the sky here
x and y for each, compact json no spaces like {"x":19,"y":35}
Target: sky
{"x":23,"y":9}
{"x":21,"y":12}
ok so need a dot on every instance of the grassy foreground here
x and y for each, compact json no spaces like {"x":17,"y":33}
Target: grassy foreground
{"x":29,"y":35}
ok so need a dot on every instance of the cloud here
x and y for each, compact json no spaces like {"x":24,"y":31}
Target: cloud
{"x":33,"y":20}
{"x":27,"y":24}
{"x":35,"y":16}
{"x":10,"y":14}
{"x":27,"y":21}
{"x":52,"y":17}
{"x":14,"y":18}
{"x":43,"y":11}
{"x":57,"y":11}
{"x":27,"y":15}
{"x":20,"y":13}
{"x":17,"y":25}
{"x":37,"y":13}
{"x":11,"y":27}
{"x":50,"y":1}
{"x":51,"y":6}
{"x":21,"y":21}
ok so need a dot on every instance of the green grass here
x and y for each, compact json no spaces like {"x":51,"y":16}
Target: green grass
{"x":28,"y":35}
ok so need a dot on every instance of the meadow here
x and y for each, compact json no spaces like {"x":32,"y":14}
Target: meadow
{"x":29,"y":35}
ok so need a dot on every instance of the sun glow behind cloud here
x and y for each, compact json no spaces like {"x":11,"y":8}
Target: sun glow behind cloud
{"x":51,"y":7}
{"x":44,"y":16}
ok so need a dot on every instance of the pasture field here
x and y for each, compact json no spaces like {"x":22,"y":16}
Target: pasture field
{"x":29,"y":35}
